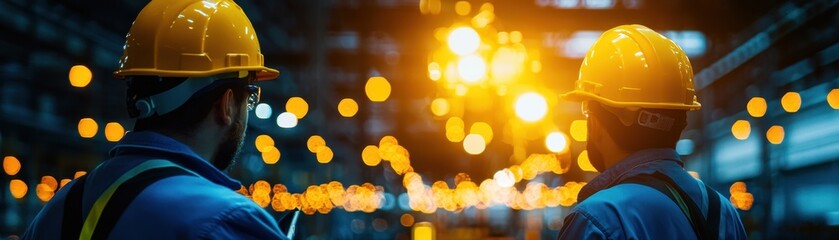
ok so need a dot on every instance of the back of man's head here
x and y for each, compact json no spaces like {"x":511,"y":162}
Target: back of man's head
{"x":642,"y":129}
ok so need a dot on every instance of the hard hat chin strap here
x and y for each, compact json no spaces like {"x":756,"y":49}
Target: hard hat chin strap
{"x":655,"y":120}
{"x":171,"y":99}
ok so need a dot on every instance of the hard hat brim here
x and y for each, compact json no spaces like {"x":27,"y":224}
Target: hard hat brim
{"x":262,"y":73}
{"x":579,"y":96}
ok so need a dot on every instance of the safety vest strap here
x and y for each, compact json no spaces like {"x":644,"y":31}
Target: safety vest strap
{"x":71,"y":224}
{"x":115,"y":199}
{"x":705,"y":228}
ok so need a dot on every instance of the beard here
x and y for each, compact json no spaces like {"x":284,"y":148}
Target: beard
{"x":595,"y":156}
{"x":230,"y":146}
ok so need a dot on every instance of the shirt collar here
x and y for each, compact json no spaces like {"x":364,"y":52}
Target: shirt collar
{"x":645,"y":161}
{"x":156,"y":145}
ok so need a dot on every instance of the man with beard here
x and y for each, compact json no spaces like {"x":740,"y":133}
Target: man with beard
{"x":190,"y":67}
{"x":636,"y":87}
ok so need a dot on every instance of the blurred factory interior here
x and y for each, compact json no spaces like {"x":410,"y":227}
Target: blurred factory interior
{"x":379,"y":92}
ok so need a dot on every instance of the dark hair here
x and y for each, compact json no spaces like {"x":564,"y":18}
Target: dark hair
{"x":186,"y":118}
{"x":636,"y":137}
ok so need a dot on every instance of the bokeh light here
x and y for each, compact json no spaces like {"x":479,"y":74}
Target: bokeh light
{"x":377,"y":89}
{"x":775,"y":134}
{"x":370,"y":155}
{"x":263,"y":111}
{"x":504,"y":178}
{"x":287,"y":120}
{"x":440,"y":107}
{"x":464,"y":40}
{"x":584,"y":162}
{"x":270,"y":154}
{"x":11,"y":165}
{"x":80,"y":76}
{"x":64,"y":182}
{"x":347,"y":107}
{"x":44,"y":192}
{"x":531,"y":107}
{"x":314,"y":143}
{"x":557,"y":142}
{"x":298,"y":106}
{"x":407,"y":220}
{"x":741,"y":129}
{"x":114,"y":131}
{"x":88,"y":128}
{"x":50,"y":181}
{"x":324,"y":155}
{"x":756,"y":107}
{"x":833,"y":98}
{"x":262,"y":142}
{"x":462,"y":8}
{"x":455,"y":131}
{"x":423,"y":231}
{"x":474,"y":144}
{"x":579,"y":130}
{"x":471,"y":68}
{"x":434,"y":71}
{"x":483,"y":129}
{"x":18,"y":188}
{"x":791,"y":102}
{"x":79,"y":174}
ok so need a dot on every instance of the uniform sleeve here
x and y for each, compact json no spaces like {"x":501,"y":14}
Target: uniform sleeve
{"x":579,"y":225}
{"x":245,"y":221}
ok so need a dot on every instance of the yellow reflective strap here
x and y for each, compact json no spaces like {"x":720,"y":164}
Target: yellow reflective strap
{"x":96,"y":211}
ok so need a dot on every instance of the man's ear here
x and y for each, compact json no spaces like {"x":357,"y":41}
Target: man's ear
{"x":225,"y":108}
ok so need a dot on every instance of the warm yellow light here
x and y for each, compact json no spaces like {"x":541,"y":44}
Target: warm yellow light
{"x":80,"y":76}
{"x":298,"y":106}
{"x":406,"y":220}
{"x":423,"y":231}
{"x":775,"y":134}
{"x":483,"y":129}
{"x":347,"y":107}
{"x":464,"y":40}
{"x":314,"y":143}
{"x":270,"y":154}
{"x":557,"y":142}
{"x":263,"y":141}
{"x":440,"y":107}
{"x":114,"y":131}
{"x":370,"y":156}
{"x":536,"y":66}
{"x":584,"y":162}
{"x":504,"y":65}
{"x":461,"y":90}
{"x":462,"y":8}
{"x":833,"y":98}
{"x":505,"y":178}
{"x":579,"y":130}
{"x":471,"y":68}
{"x":515,"y":37}
{"x":44,"y":192}
{"x":531,"y":107}
{"x":377,"y":89}
{"x":474,"y":144}
{"x":50,"y":182}
{"x":434,"y":71}
{"x":18,"y":188}
{"x":324,"y":155}
{"x":756,"y":107}
{"x":64,"y":182}
{"x":11,"y":165}
{"x":741,"y":129}
{"x":455,"y":131}
{"x":88,"y":127}
{"x":791,"y":102}
{"x":503,"y":38}
{"x":79,"y":174}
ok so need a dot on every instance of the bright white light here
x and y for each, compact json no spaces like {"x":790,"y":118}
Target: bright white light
{"x":464,"y":40}
{"x":505,"y":178}
{"x":471,"y":68}
{"x":531,"y":107}
{"x":263,"y":111}
{"x":287,"y":120}
{"x":474,"y":144}
{"x":556,"y":142}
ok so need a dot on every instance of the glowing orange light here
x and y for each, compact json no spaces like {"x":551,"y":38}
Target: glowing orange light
{"x":579,"y":130}
{"x":370,"y":155}
{"x":297,"y":106}
{"x":377,"y":89}
{"x":18,"y":188}
{"x":80,"y":76}
{"x":270,"y":154}
{"x":440,"y":107}
{"x":314,"y":143}
{"x":79,"y":174}
{"x":791,"y":102}
{"x":11,"y":165}
{"x":756,"y":107}
{"x":88,"y":128}
{"x":347,"y":107}
{"x":263,"y":141}
{"x":114,"y":131}
{"x":833,"y":98}
{"x":584,"y":162}
{"x":741,"y":129}
{"x":775,"y":134}
{"x":324,"y":155}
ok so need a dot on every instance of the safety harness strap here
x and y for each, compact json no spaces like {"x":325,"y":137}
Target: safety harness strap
{"x":705,"y":228}
{"x":113,"y":202}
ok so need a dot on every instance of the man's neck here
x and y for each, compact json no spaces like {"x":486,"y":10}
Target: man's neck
{"x":194,"y":141}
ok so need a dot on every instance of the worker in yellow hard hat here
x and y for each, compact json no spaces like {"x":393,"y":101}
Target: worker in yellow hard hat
{"x":190,"y":67}
{"x":636,"y":87}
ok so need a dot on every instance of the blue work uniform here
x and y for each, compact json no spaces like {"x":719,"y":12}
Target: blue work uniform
{"x":612,"y":209}
{"x":201,"y":205}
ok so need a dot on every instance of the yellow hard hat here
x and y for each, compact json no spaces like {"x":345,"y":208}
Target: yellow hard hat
{"x":633,"y":67}
{"x":191,"y":38}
